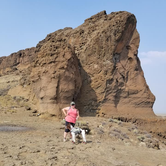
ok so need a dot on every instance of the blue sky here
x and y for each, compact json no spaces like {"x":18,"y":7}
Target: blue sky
{"x":25,"y":22}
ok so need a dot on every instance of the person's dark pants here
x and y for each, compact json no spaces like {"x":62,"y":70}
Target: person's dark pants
{"x":66,"y":129}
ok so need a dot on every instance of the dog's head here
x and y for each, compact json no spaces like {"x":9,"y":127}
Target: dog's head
{"x":69,"y":126}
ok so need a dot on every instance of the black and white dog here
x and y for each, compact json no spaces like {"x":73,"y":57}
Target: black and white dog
{"x":76,"y":131}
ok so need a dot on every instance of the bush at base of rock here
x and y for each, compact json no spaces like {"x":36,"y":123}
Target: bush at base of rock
{"x":118,"y":134}
{"x":149,"y":142}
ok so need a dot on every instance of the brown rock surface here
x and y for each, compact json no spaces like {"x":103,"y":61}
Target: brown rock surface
{"x":107,"y":50}
{"x":96,"y":64}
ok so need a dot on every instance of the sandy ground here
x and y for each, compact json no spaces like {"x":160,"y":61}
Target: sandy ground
{"x":42,"y":144}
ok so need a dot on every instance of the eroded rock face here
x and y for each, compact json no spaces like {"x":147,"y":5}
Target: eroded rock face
{"x":114,"y":80}
{"x":55,"y":75}
{"x":95,"y":64}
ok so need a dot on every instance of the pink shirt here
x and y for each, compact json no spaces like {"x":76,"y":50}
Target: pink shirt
{"x":71,"y":115}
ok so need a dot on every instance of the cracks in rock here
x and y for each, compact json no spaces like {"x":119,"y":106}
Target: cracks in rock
{"x":117,"y":97}
{"x":116,"y":58}
{"x":57,"y":91}
{"x":116,"y":82}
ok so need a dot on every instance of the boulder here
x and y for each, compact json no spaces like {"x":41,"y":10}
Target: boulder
{"x":113,"y":80}
{"x":95,"y":64}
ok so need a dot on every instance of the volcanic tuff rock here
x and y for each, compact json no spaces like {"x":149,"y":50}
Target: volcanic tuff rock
{"x":95,"y":64}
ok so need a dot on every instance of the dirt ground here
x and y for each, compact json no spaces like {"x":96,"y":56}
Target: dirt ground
{"x":109,"y":143}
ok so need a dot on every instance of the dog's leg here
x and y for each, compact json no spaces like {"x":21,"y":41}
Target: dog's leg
{"x":73,"y":137}
{"x":83,"y":136}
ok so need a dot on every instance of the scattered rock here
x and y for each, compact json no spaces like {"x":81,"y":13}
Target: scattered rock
{"x":142,"y":144}
{"x":141,"y":138}
{"x":34,"y":111}
{"x":27,"y":108}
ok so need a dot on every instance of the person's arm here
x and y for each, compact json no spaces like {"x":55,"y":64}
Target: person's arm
{"x":77,"y":115}
{"x":64,"y":110}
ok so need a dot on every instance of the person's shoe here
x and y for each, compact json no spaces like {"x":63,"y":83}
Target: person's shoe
{"x":64,"y":140}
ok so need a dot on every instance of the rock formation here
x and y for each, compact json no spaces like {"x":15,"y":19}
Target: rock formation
{"x":95,"y":64}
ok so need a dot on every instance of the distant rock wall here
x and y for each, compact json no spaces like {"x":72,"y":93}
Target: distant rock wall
{"x":95,"y":64}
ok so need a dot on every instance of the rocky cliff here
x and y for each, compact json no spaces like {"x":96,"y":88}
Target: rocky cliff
{"x":95,"y":64}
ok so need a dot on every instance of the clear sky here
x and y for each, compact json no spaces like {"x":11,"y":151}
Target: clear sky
{"x":23,"y":23}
